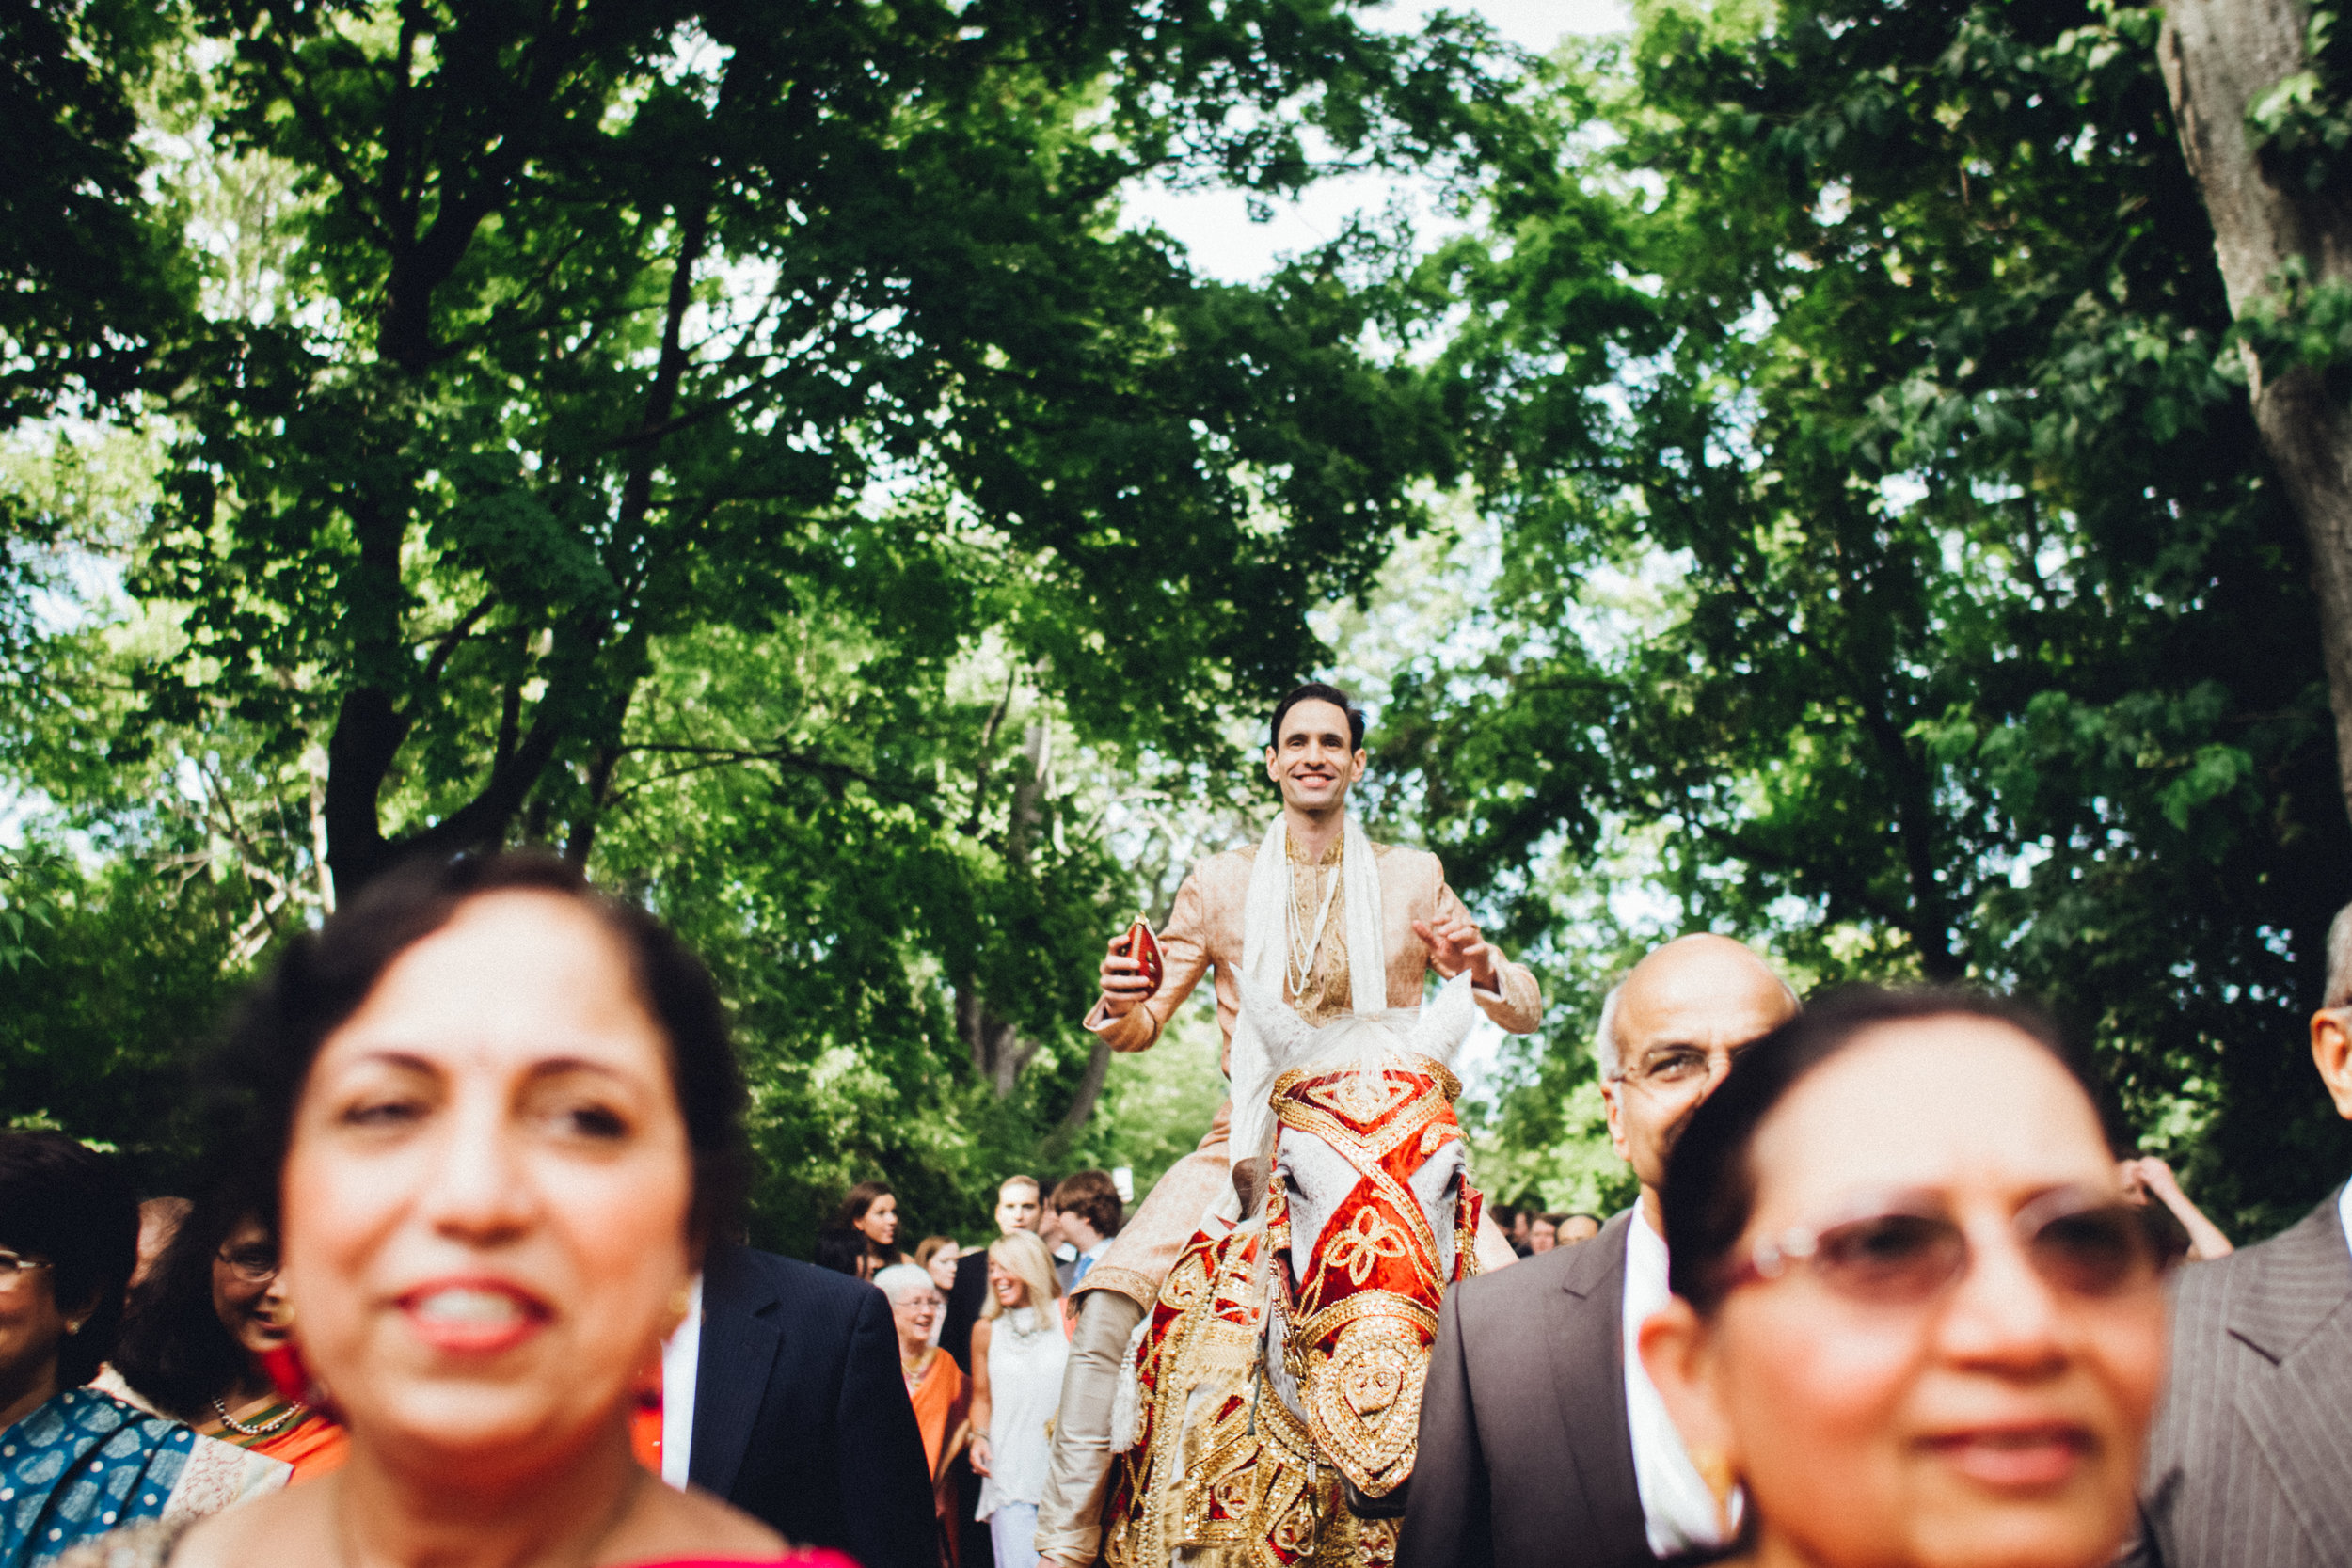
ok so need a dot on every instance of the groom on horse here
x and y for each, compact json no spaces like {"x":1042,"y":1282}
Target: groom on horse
{"x":1340,"y":925}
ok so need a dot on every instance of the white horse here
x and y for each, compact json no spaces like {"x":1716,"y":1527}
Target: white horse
{"x":1328,"y":1297}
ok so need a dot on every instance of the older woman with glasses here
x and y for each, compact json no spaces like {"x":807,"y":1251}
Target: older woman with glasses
{"x":935,"y":1384}
{"x":203,"y":1327}
{"x":74,"y":1463}
{"x":1915,"y":1323}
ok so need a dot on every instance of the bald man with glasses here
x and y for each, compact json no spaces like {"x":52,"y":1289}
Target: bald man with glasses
{"x":1541,"y":1437}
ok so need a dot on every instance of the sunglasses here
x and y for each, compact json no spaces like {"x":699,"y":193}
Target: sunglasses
{"x":2092,"y":1247}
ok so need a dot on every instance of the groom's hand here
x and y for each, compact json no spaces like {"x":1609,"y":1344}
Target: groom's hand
{"x":1124,"y":984}
{"x":1456,"y":945}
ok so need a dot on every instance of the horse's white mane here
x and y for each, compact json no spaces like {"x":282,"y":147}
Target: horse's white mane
{"x":1436,"y":1031}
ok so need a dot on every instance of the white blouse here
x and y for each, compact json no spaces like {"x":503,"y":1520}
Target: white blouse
{"x":1026,"y":1357}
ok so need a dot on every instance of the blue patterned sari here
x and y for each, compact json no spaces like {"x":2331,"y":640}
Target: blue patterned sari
{"x":85,"y":1463}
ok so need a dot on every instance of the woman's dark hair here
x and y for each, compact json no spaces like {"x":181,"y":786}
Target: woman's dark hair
{"x":853,"y":1208}
{"x":858,"y":1200}
{"x":175,"y":1350}
{"x":72,"y":1208}
{"x":841,"y":1249}
{"x":322,"y":978}
{"x":1316,"y":691}
{"x":1710,"y":1185}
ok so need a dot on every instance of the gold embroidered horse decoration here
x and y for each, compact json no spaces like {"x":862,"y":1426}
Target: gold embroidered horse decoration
{"x":1274,"y":1403}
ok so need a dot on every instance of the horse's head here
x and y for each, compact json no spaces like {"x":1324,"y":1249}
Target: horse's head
{"x":1368,"y":1217}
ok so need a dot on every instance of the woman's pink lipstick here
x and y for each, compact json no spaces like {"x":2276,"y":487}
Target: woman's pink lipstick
{"x":472,"y":1317}
{"x":2016,"y":1458}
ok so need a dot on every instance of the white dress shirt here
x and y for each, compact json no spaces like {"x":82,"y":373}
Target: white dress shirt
{"x":1677,"y":1506}
{"x":2344,"y":1212}
{"x":679,"y":1353}
{"x":1088,"y":1258}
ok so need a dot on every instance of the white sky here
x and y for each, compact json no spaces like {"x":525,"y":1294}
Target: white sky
{"x":1214,"y":226}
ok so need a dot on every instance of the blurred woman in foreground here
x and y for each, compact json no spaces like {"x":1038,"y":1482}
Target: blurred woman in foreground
{"x":935,"y":1384}
{"x":1914,"y":1320}
{"x":504,"y":1120}
{"x":75,"y":1463}
{"x":205,"y":1320}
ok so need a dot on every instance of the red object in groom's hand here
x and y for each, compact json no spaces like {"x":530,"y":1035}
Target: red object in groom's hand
{"x":1142,"y":946}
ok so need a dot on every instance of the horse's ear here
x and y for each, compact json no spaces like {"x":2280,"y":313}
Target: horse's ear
{"x":1446,"y":1022}
{"x":1286,"y":1034}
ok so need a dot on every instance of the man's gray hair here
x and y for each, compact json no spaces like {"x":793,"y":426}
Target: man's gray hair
{"x":902,"y":1279}
{"x":1605,"y":1050}
{"x":2340,"y":960}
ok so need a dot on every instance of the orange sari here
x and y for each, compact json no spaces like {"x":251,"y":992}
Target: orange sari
{"x":941,"y":1401}
{"x":312,"y":1443}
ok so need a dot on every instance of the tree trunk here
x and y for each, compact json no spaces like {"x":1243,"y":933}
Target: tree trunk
{"x":1074,"y":1121}
{"x":2217,"y":56}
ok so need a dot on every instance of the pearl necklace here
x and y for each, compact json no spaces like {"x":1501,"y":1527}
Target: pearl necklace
{"x":293,"y":1409}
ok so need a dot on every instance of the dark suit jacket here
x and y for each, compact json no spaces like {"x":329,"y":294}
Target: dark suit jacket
{"x":801,"y":1413}
{"x":1526,"y":1456}
{"x":2250,"y":1462}
{"x":965,"y":1298}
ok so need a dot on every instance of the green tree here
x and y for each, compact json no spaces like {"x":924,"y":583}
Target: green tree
{"x":2263,"y":97}
{"x":94,"y":278}
{"x":1887,"y":542}
{"x":743,"y":448}
{"x":609,"y":325}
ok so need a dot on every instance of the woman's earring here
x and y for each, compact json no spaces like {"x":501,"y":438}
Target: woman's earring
{"x":72,"y":1327}
{"x":1714,"y":1469}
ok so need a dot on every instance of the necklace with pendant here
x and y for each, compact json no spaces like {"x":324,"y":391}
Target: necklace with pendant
{"x":1311,"y":943}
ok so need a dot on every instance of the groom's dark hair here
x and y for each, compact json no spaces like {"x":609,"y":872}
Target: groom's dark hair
{"x":1316,"y":691}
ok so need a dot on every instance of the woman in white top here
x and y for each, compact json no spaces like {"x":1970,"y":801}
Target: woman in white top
{"x":1018,"y":1352}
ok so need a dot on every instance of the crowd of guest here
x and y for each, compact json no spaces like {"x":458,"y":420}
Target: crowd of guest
{"x":473,"y":1288}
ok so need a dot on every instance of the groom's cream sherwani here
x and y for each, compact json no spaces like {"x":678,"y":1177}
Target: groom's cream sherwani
{"x":1206,"y":931}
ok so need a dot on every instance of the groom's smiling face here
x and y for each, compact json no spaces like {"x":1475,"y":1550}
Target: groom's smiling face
{"x":1311,"y":760}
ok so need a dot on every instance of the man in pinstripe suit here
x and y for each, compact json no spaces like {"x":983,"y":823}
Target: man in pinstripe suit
{"x":2251,"y":1460}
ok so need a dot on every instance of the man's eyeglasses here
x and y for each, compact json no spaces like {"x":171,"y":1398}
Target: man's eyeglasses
{"x":255,"y":1266}
{"x":2086,"y":1246}
{"x":14,"y":1266}
{"x":1671,"y":1066}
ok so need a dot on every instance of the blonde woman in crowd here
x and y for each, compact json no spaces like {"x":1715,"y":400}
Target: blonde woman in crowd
{"x":1018,"y":1353}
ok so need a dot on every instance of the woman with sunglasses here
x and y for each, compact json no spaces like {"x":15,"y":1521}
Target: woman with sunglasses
{"x":1915,"y":1322}
{"x":202,"y":1329}
{"x":501,"y":1120}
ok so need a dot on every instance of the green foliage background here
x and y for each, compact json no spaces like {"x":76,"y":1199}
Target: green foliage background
{"x":1792,"y":477}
